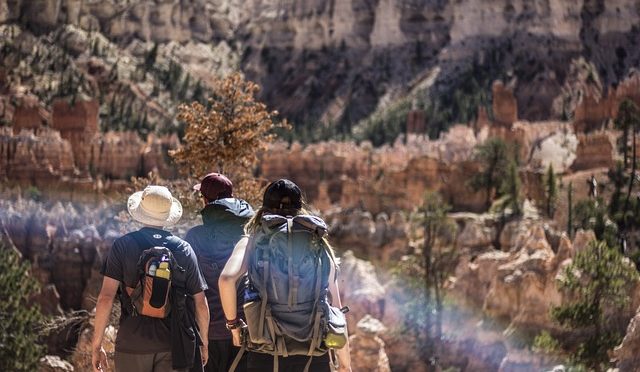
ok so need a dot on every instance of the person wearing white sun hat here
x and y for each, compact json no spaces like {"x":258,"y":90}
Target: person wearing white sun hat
{"x":146,"y":342}
{"x":155,"y":206}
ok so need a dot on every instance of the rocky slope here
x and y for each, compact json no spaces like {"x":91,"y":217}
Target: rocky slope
{"x":516,"y":283}
{"x":338,"y":61}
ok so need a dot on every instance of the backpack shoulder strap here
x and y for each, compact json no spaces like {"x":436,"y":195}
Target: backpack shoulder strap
{"x":140,"y":240}
{"x":293,"y":280}
{"x":263,"y":255}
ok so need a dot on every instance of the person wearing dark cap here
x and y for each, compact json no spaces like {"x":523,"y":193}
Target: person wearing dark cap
{"x":292,"y":294}
{"x":223,"y":218}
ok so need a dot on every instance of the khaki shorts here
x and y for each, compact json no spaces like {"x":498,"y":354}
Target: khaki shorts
{"x":158,"y":362}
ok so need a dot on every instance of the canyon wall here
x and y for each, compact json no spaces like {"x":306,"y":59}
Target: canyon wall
{"x":338,"y":61}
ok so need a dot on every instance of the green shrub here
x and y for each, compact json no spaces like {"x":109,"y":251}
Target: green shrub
{"x":545,"y":343}
{"x":19,"y":320}
{"x":597,"y":279}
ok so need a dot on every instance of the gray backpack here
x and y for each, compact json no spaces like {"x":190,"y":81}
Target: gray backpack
{"x":286,"y":304}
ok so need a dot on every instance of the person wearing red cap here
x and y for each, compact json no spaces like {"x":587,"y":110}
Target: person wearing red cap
{"x":223,"y":218}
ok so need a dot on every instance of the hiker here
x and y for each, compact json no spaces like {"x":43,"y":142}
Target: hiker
{"x":593,"y":187}
{"x":159,"y":283}
{"x":292,"y":303}
{"x":223,"y":220}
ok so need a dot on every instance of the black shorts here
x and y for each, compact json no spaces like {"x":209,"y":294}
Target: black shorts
{"x":257,"y":362}
{"x":221,"y":356}
{"x":156,"y":362}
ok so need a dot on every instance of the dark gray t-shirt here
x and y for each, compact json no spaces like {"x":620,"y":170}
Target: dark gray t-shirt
{"x":142,"y":334}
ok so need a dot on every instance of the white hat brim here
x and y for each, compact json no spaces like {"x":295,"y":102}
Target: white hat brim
{"x":138,"y":214}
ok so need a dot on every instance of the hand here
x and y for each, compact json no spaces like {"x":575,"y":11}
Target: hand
{"x":237,"y":337}
{"x":99,"y":359}
{"x":204,"y":354}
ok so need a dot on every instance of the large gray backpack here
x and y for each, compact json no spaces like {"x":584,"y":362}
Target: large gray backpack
{"x":286,"y":304}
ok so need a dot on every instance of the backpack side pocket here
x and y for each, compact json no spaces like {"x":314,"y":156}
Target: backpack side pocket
{"x":336,"y":328}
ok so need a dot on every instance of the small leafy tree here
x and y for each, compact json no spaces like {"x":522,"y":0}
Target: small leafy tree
{"x":228,"y":135}
{"x":597,"y":280}
{"x":19,"y":320}
{"x":493,"y":154}
{"x":426,"y":273}
{"x":550,"y":191}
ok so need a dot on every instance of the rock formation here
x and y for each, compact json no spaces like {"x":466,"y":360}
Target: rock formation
{"x":36,"y":160}
{"x":42,"y":158}
{"x":78,"y":124}
{"x":369,"y":353}
{"x":339,"y":62}
{"x":81,"y":356}
{"x":53,"y":363}
{"x":29,"y":115}
{"x":595,"y":150}
{"x":520,"y":284}
{"x":505,"y":106}
{"x":359,"y":284}
{"x":626,"y":353}
{"x":117,"y":155}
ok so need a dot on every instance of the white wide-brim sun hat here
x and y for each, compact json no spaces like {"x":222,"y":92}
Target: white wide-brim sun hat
{"x":155,"y":206}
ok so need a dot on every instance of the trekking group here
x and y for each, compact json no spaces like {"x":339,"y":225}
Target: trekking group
{"x":245,"y":291}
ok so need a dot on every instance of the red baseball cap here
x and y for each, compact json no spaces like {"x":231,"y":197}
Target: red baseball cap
{"x":215,"y":186}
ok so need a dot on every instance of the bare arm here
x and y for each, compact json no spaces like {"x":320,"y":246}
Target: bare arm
{"x":103,"y":311}
{"x":202,"y":315}
{"x":202,"y":318}
{"x":233,"y":270}
{"x":344,"y":354}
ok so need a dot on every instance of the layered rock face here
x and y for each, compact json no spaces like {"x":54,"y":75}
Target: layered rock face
{"x":335,"y":61}
{"x":518,"y":283}
{"x":449,"y":34}
{"x":77,"y":123}
{"x":387,"y":179}
{"x":32,"y":159}
{"x":42,"y":158}
{"x":384,"y":179}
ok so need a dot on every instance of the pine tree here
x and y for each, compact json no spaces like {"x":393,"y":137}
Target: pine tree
{"x":630,"y":114}
{"x":425,"y":274}
{"x":182,"y":94}
{"x":551,"y":191}
{"x":598,"y":279}
{"x":626,"y":121}
{"x":570,"y":210}
{"x":150,"y":58}
{"x":618,"y":178}
{"x":493,"y":155}
{"x":510,"y":188}
{"x":198,"y":93}
{"x":19,"y":319}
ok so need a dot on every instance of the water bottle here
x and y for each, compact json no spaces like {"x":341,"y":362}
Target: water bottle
{"x":250,"y":295}
{"x":163,"y":270}
{"x":152,"y":269}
